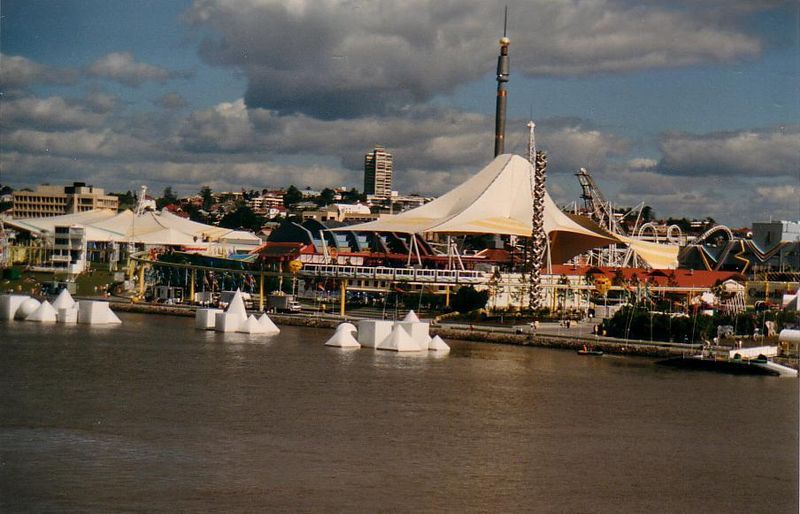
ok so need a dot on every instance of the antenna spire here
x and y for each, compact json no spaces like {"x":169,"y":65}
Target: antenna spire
{"x":502,"y":94}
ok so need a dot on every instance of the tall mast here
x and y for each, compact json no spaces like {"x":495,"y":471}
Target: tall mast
{"x":502,"y":93}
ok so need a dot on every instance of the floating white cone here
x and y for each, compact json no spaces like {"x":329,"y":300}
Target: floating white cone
{"x":371,"y":332}
{"x":9,"y":304}
{"x":96,"y":313}
{"x":237,"y":306}
{"x":205,"y":319}
{"x":347,"y":327}
{"x":269,"y":326}
{"x":45,"y":313}
{"x":68,"y":315}
{"x":399,"y":341}
{"x":418,"y":331}
{"x":64,"y":300}
{"x":26,"y":308}
{"x":343,"y":338}
{"x":437,"y":344}
{"x":252,"y":326}
{"x":411,"y":317}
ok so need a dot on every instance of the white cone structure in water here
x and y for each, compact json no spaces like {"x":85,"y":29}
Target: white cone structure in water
{"x":269,"y":326}
{"x":205,"y":319}
{"x":400,"y":341}
{"x":372,"y":332}
{"x":418,"y":332}
{"x":437,"y":344}
{"x":251,"y":326}
{"x":96,"y":313}
{"x":234,"y":316}
{"x":9,"y":304}
{"x":68,"y":314}
{"x":411,"y":317}
{"x":45,"y":313}
{"x":347,"y":327}
{"x":343,"y":337}
{"x":63,"y":300}
{"x":237,"y":305}
{"x":26,"y":308}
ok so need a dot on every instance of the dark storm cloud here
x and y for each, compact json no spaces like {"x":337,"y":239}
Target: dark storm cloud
{"x":345,"y":59}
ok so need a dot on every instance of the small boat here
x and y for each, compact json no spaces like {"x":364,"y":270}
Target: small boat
{"x":590,"y":351}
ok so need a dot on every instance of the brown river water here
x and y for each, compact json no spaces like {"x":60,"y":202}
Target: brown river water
{"x":153,"y":415}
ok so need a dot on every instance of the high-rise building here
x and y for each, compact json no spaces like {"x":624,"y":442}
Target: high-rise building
{"x":49,"y":200}
{"x":378,"y":173}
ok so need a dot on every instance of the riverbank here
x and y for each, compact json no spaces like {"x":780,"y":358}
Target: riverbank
{"x":474,"y":332}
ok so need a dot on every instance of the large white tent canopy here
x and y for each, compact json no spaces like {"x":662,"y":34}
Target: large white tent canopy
{"x":497,"y":200}
{"x":152,"y":228}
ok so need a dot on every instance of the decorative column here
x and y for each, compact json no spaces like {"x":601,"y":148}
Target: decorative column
{"x":538,"y":235}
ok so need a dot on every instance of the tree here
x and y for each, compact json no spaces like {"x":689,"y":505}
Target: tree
{"x":326,"y":197}
{"x":242,"y":218}
{"x":648,"y":214}
{"x":292,"y":196}
{"x":353,"y":196}
{"x":467,"y":299}
{"x":168,"y":198}
{"x":127,"y":200}
{"x":208,"y":197}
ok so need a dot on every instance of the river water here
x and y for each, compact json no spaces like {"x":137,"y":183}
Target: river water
{"x":153,"y":415}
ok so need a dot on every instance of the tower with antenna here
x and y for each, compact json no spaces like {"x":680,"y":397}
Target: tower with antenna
{"x":502,"y":93}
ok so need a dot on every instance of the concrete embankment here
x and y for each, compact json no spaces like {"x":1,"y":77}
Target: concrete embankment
{"x":474,"y":334}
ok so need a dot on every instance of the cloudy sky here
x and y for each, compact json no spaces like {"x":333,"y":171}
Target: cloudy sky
{"x":692,"y":106}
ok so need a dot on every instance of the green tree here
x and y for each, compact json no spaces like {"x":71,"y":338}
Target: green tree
{"x":242,"y":218}
{"x":208,"y":197}
{"x":167,"y":198}
{"x":467,"y":299}
{"x":326,"y":197}
{"x":292,"y":196}
{"x":648,"y":214}
{"x":353,"y":196}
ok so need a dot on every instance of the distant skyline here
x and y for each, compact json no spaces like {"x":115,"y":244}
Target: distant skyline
{"x":691,"y":106}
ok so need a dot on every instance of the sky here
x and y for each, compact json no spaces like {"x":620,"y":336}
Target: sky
{"x":690,"y":106}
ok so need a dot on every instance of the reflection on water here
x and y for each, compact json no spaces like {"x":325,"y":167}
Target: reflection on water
{"x":153,"y":415}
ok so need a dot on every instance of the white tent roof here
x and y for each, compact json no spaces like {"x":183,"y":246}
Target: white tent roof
{"x":497,"y":200}
{"x":149,"y":228}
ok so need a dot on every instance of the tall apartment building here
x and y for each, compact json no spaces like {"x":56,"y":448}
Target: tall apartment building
{"x":378,"y":173}
{"x":49,"y":200}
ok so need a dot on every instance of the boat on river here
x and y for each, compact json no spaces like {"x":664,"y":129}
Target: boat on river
{"x":590,"y":352}
{"x":731,"y":366}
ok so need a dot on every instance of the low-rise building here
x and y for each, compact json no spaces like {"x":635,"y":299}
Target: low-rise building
{"x":49,"y":200}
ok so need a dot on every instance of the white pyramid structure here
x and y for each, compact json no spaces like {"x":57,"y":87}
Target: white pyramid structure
{"x":400,"y":341}
{"x":9,"y":304}
{"x":63,"y":300}
{"x":68,"y":314}
{"x":343,"y":337}
{"x":411,"y":317}
{"x":96,"y":313}
{"x":269,"y":327}
{"x":418,"y":331}
{"x":371,"y":332}
{"x":45,"y":313}
{"x":205,"y":319}
{"x":26,"y":308}
{"x":251,"y":326}
{"x":233,"y":317}
{"x":437,"y":344}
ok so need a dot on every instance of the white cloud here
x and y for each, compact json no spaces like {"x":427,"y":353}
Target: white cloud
{"x":17,"y":72}
{"x":774,"y":152}
{"x":122,"y":67}
{"x":48,"y":113}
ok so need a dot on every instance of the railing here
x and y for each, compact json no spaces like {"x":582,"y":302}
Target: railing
{"x":396,"y":274}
